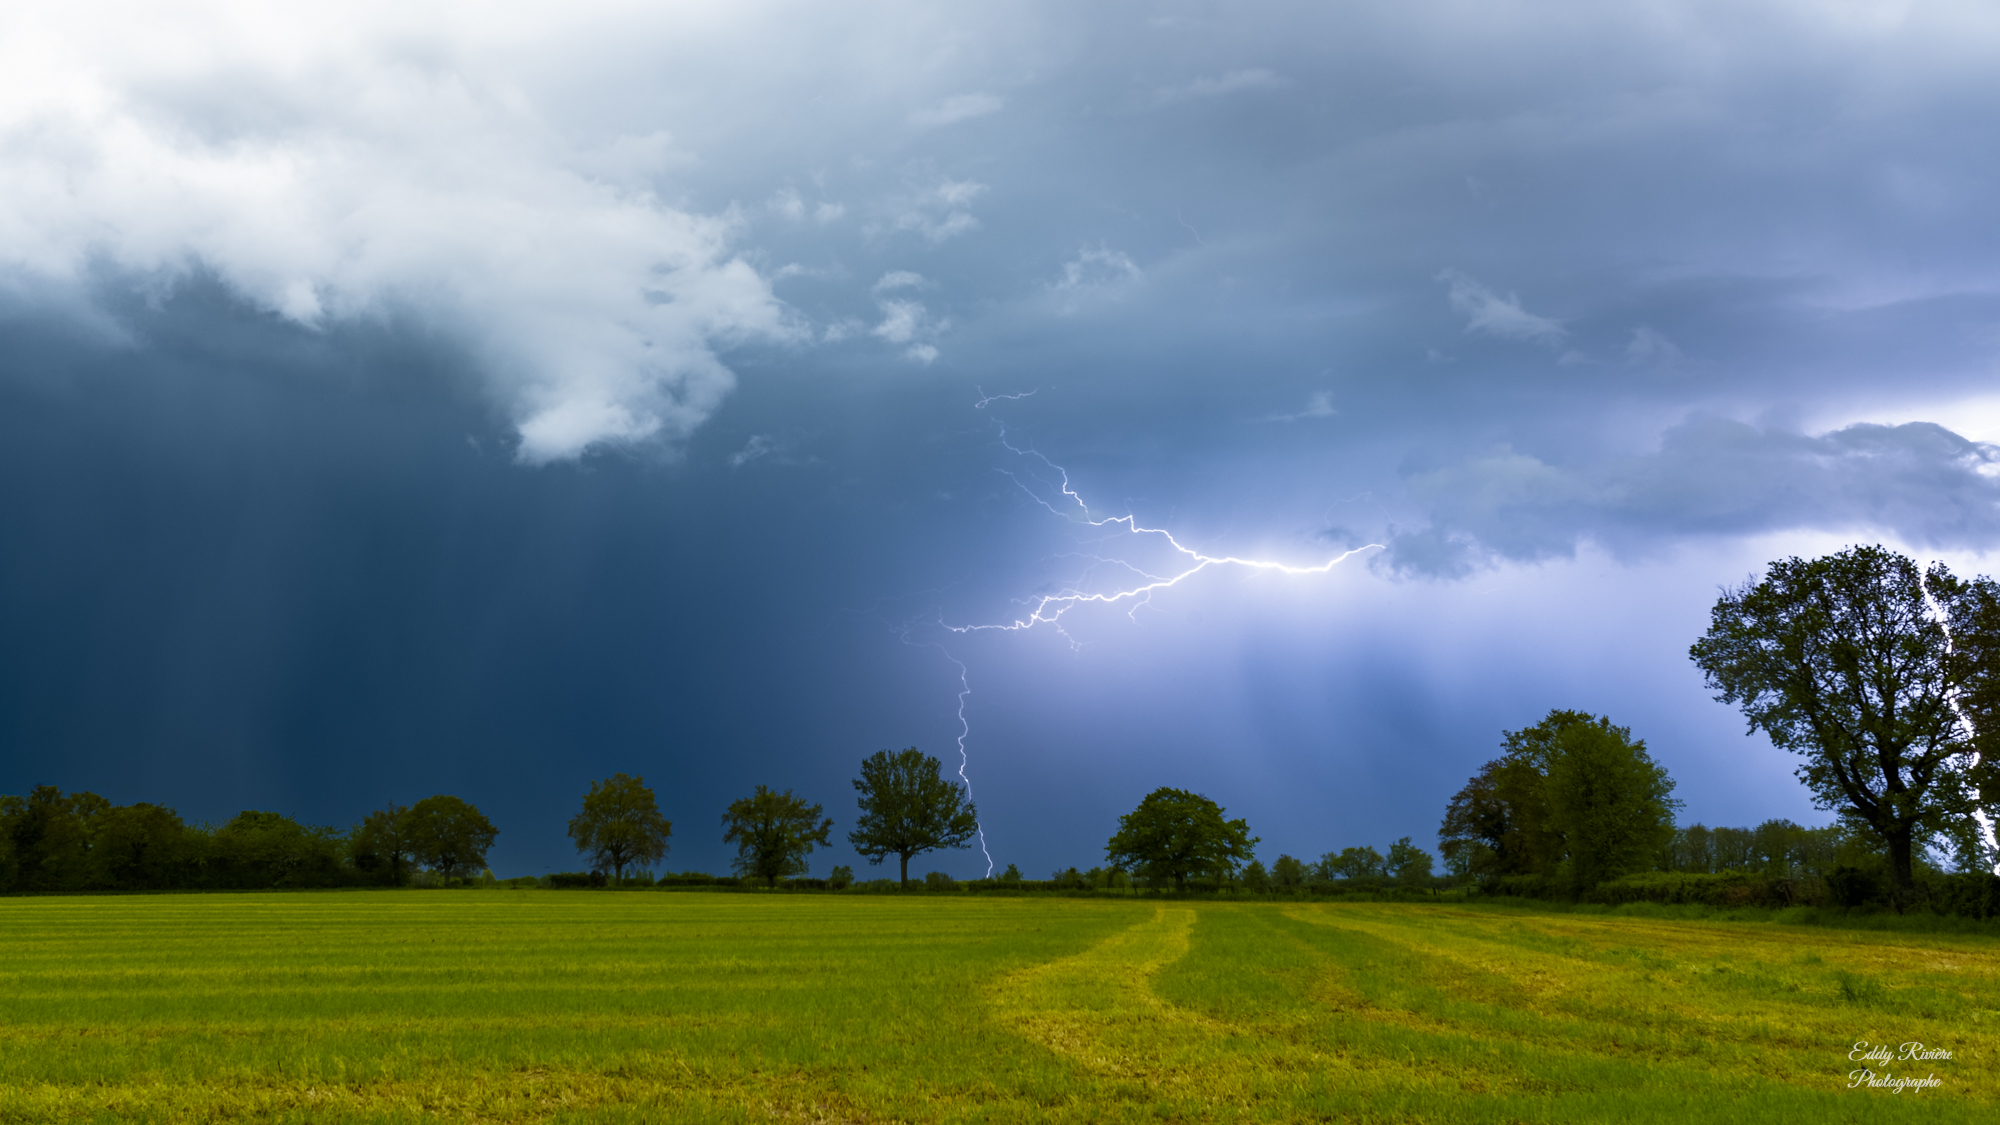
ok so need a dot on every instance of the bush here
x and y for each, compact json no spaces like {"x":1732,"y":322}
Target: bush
{"x":841,"y":878}
{"x":1722,"y":889}
{"x":696,"y":879}
{"x":939,"y":881}
{"x":1975,"y":894}
{"x":569,"y":880}
{"x":1852,"y":886}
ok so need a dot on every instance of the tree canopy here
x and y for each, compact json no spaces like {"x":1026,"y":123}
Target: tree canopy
{"x":774,"y":833}
{"x":380,"y":844}
{"x":448,"y":835}
{"x":1883,"y":676}
{"x":620,"y":825}
{"x":908,"y":807}
{"x":1174,"y":834}
{"x":1573,"y":798}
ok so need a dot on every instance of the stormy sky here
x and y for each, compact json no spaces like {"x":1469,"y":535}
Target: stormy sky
{"x":408,"y":399}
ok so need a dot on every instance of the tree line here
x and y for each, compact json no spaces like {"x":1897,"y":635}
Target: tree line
{"x":1882,"y":676}
{"x":56,"y":841}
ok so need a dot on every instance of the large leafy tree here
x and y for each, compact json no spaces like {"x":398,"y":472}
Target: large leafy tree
{"x":620,"y":825}
{"x":142,"y":845}
{"x":774,"y":833}
{"x":448,"y":835}
{"x":1609,"y":802}
{"x":1883,"y":676}
{"x":49,"y":833}
{"x":908,"y":807}
{"x":268,"y":849}
{"x":1573,"y":797}
{"x":1174,"y":834}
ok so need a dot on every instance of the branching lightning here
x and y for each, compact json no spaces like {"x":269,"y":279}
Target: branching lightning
{"x":1979,"y":815}
{"x":1049,"y":609}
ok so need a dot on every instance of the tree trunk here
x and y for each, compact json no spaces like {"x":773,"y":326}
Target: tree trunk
{"x":905,"y":857}
{"x":1900,"y":874}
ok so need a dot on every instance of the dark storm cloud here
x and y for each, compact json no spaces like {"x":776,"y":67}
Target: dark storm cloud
{"x":1918,"y":483}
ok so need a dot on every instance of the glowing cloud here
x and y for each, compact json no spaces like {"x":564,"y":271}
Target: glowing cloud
{"x":372,"y":168}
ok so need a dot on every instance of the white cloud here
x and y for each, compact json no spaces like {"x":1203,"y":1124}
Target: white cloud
{"x":941,"y":213}
{"x":759,"y":445}
{"x":790,"y":204}
{"x":1491,"y":313}
{"x":1100,"y":267}
{"x":906,"y":321}
{"x":1648,"y":346}
{"x":955,"y":109}
{"x":901,"y":321}
{"x":334,"y":168}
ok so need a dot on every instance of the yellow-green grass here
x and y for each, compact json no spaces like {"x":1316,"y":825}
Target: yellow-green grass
{"x":532,"y":1006}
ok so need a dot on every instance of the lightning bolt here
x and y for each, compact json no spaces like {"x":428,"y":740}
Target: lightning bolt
{"x":1979,"y":815}
{"x":1049,"y":609}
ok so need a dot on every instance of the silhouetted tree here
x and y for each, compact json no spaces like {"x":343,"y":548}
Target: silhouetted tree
{"x":774,"y":833}
{"x":50,"y":835}
{"x":140,"y":846}
{"x":380,"y":843}
{"x":1256,"y":878}
{"x":1174,"y":834}
{"x":1288,"y":871}
{"x":1409,"y":864}
{"x":908,"y":808}
{"x":1884,"y":677}
{"x":620,"y":824}
{"x":268,"y":849}
{"x":448,"y":835}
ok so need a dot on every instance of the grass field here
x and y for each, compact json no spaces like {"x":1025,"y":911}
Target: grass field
{"x":532,"y":1006}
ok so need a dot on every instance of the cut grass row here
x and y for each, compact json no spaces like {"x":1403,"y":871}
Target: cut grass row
{"x":400,"y":1006}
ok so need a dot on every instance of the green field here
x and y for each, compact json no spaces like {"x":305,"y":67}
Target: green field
{"x":530,"y":1006}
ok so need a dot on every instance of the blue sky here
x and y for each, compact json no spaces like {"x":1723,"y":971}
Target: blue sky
{"x":395,"y":402}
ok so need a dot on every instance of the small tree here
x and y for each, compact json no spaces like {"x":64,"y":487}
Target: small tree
{"x":1359,"y":863}
{"x":1174,"y":834}
{"x":908,"y":808}
{"x":1287,"y":871}
{"x":1884,"y":677}
{"x":1255,"y":878}
{"x":620,"y":825}
{"x":448,"y":835}
{"x":1409,"y":864}
{"x":773,"y":833}
{"x":381,"y":841}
